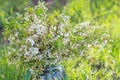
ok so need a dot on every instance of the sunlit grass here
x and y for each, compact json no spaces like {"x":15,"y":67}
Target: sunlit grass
{"x":9,"y":71}
{"x":95,"y":64}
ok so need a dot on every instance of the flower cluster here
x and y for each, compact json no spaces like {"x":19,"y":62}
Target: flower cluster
{"x":45,"y":39}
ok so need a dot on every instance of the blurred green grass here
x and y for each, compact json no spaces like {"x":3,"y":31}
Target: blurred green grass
{"x":9,"y":71}
{"x":77,"y":68}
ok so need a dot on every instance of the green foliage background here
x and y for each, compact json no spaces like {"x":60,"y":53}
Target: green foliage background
{"x":102,"y":12}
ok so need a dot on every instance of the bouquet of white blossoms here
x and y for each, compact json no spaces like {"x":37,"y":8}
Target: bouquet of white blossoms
{"x":44,"y":39}
{"x":39,"y":37}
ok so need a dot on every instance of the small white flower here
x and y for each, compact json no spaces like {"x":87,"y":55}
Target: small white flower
{"x":12,"y":38}
{"x":34,"y":50}
{"x":89,"y":45}
{"x":43,"y":30}
{"x":66,"y":35}
{"x":74,"y":30}
{"x":31,"y":41}
{"x":85,"y":24}
{"x":16,"y":35}
{"x":26,"y":54}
